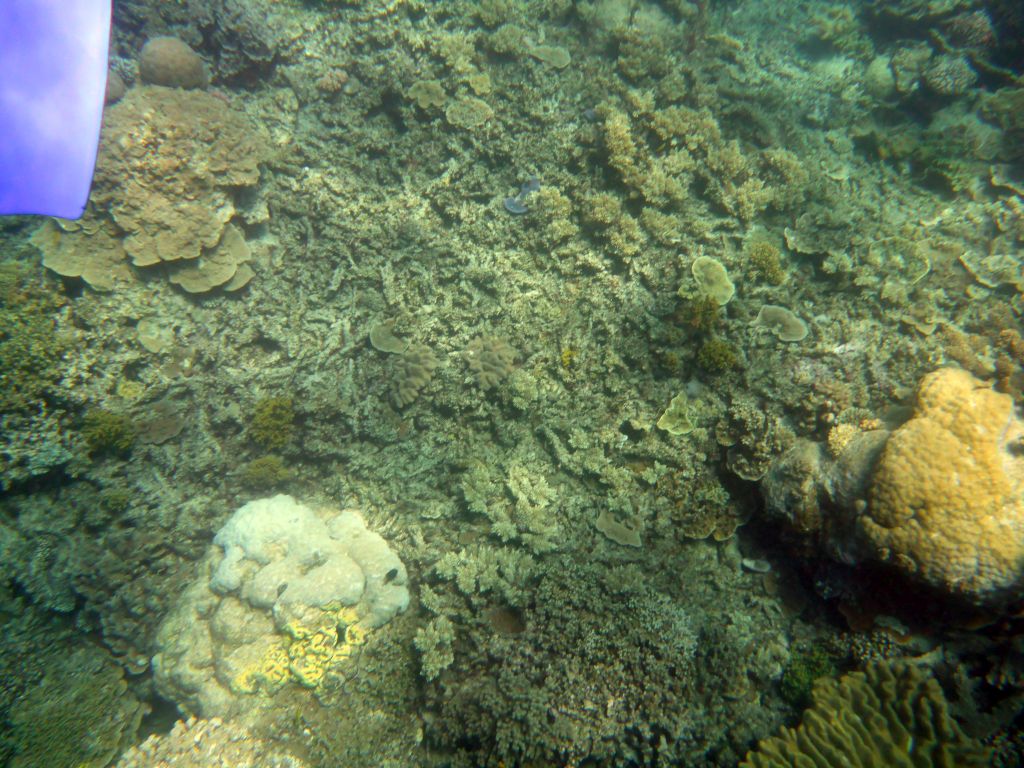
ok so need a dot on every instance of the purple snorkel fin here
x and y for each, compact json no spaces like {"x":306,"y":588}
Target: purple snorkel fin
{"x":53,"y":73}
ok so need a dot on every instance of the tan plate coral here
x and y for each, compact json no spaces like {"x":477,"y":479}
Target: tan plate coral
{"x":170,"y":169}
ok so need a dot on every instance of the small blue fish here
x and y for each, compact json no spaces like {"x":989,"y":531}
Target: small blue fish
{"x":517,"y":205}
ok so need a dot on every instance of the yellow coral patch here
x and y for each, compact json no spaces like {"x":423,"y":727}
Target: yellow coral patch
{"x":947,"y":498}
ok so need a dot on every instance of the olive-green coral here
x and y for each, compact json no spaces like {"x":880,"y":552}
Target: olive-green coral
{"x":766,"y":262}
{"x":805,"y":666}
{"x":702,"y":313}
{"x":273,"y":421}
{"x":106,"y":432}
{"x":891,"y":714}
{"x":30,"y":348}
{"x":718,"y":356}
{"x":80,"y":715}
{"x":264,"y":473}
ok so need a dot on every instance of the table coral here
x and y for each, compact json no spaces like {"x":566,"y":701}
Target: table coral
{"x":946,"y":499}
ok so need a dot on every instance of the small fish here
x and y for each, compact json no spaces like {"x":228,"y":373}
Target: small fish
{"x":517,"y":205}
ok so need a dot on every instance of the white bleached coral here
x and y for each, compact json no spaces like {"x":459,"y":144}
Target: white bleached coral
{"x":284,"y":596}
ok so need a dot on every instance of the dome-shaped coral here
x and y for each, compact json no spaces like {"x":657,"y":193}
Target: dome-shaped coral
{"x":945,"y":503}
{"x":170,"y":62}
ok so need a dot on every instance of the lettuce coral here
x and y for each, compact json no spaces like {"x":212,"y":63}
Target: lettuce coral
{"x":891,"y":714}
{"x":171,"y":174}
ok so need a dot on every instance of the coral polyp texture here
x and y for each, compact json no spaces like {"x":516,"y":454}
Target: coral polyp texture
{"x":286,"y":596}
{"x":945,"y":504}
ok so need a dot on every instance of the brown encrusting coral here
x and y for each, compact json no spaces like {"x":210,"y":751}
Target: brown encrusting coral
{"x":172,"y":176}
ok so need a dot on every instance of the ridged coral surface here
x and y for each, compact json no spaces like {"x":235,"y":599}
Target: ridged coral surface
{"x":891,"y":715}
{"x":945,"y":503}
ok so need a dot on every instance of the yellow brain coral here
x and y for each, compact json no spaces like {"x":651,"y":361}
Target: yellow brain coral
{"x":946,"y":498}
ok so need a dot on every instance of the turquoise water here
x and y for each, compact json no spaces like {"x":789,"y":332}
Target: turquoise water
{"x":525,"y":384}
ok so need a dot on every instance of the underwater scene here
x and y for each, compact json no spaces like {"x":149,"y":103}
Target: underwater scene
{"x":525,"y":384}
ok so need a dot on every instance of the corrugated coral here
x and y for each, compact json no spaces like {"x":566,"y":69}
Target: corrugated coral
{"x":891,"y":714}
{"x":946,"y":499}
{"x":170,"y":168}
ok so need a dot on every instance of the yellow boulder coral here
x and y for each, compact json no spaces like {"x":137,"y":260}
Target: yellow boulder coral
{"x":945,"y":504}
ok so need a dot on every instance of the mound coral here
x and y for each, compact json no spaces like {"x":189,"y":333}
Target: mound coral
{"x":945,"y":503}
{"x":170,"y":62}
{"x":286,"y":595}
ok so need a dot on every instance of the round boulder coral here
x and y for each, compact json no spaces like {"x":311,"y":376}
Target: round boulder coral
{"x":170,"y":62}
{"x":284,"y":599}
{"x":946,"y":502}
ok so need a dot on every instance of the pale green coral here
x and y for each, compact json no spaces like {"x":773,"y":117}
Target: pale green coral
{"x":434,"y":642}
{"x":505,"y":572}
{"x":522,"y":506}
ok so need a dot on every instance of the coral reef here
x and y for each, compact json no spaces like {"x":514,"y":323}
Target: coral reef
{"x":945,"y":502}
{"x":108,"y":433}
{"x":169,"y":175}
{"x":30,"y":347}
{"x":200,"y":743}
{"x":938,"y":499}
{"x":491,"y":359}
{"x":598,"y":711}
{"x":80,"y":712}
{"x":169,"y":61}
{"x":415,"y":370}
{"x":479,"y":247}
{"x":272,"y":424}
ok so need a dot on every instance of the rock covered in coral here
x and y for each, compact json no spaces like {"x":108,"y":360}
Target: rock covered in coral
{"x":170,"y":62}
{"x":946,"y":503}
{"x":286,"y":595}
{"x":414,"y":371}
{"x":948,"y":75}
{"x":197,"y":743}
{"x":492,"y":359}
{"x":172,"y":169}
{"x":941,"y":498}
{"x":80,"y":713}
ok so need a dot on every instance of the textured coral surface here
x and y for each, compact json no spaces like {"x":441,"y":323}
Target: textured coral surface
{"x":946,"y":500}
